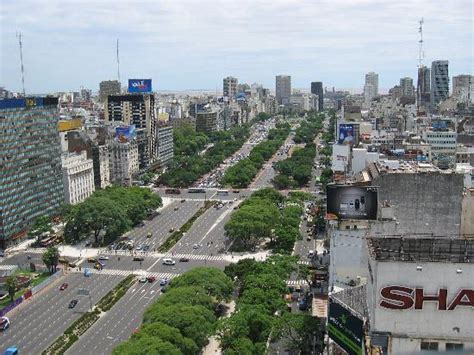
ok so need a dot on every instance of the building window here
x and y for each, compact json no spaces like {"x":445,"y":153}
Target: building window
{"x":429,"y":345}
{"x":454,"y":347}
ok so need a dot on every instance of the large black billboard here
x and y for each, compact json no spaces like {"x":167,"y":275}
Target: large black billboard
{"x":352,"y":202}
{"x":345,"y":328}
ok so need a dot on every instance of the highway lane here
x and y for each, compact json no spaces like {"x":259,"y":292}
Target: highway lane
{"x":38,"y":322}
{"x":206,"y":229}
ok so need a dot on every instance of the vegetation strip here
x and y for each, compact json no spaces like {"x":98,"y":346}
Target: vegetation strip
{"x":241,"y":174}
{"x":80,"y":326}
{"x":177,"y":235}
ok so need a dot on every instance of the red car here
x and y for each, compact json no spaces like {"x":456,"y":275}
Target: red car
{"x":63,"y":287}
{"x":151,"y":278}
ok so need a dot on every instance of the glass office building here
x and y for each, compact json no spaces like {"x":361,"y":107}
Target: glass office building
{"x":30,"y":164}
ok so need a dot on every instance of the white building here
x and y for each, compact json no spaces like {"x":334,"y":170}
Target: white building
{"x":420,"y":294}
{"x":123,"y":162}
{"x":230,"y":87}
{"x":78,"y":177}
{"x":441,"y":142}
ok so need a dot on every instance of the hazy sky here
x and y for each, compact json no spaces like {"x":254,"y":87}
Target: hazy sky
{"x":193,"y":44}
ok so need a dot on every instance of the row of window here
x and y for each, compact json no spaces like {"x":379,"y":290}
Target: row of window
{"x":434,"y":346}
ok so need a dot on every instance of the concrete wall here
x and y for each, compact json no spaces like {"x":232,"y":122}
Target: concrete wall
{"x":467,"y":215}
{"x":423,"y":202}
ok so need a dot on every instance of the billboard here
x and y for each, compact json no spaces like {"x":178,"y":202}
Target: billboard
{"x":347,"y":134}
{"x":125,"y":134}
{"x":352,"y":202}
{"x":345,"y":328}
{"x":139,"y":85}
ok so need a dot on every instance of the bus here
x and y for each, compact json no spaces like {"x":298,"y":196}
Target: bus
{"x":173,"y":191}
{"x":196,"y":190}
{"x":223,"y":192}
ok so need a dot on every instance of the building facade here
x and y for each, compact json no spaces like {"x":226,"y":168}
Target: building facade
{"x":463,"y":86}
{"x":283,"y":89}
{"x":108,"y":87}
{"x":317,"y":89}
{"x":31,"y":182}
{"x":123,"y":162}
{"x":165,"y":143}
{"x":206,"y":121}
{"x":78,"y":177}
{"x":230,"y":87}
{"x":406,"y":85}
{"x":423,"y":86}
{"x":442,"y":142}
{"x":138,"y":110}
{"x":100,"y":159}
{"x":439,"y":82}
{"x":371,"y":87}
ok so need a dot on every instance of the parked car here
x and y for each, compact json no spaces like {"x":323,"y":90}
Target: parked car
{"x":63,"y":287}
{"x":73,"y":304}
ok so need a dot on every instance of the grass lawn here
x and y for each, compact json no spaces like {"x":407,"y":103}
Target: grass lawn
{"x":41,"y":277}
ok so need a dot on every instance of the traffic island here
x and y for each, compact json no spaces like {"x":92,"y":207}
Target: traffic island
{"x":177,"y":235}
{"x":80,"y":326}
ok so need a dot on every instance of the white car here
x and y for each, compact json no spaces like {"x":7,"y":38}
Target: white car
{"x":168,"y":261}
{"x":142,"y":279}
{"x":102,"y":257}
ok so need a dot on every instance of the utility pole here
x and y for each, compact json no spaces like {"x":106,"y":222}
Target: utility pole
{"x":20,"y":43}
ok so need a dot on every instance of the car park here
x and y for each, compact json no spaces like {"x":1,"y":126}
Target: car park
{"x":73,"y":304}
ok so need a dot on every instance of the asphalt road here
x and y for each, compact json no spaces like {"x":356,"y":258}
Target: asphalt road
{"x":39,"y":321}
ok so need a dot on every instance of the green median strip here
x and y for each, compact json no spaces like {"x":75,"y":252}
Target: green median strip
{"x":80,"y":326}
{"x":177,"y":235}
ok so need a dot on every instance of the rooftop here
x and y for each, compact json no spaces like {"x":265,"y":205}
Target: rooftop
{"x":422,"y":248}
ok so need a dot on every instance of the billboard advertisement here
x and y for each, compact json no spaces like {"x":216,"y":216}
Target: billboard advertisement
{"x":346,"y":329}
{"x":352,"y":202}
{"x":125,"y":134}
{"x":139,"y":85}
{"x":348,"y":134}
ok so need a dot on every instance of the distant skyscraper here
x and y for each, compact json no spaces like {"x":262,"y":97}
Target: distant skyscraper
{"x":423,"y":86}
{"x":317,"y":89}
{"x":230,"y":87}
{"x":283,"y":89}
{"x":406,"y":85}
{"x":371,"y":87}
{"x":31,"y":182}
{"x":463,"y":87}
{"x":439,"y":81}
{"x":107,"y":88}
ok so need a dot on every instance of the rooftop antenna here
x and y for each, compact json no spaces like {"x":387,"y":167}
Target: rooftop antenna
{"x":118,"y":61}
{"x":421,"y":53}
{"x":21,"y":60}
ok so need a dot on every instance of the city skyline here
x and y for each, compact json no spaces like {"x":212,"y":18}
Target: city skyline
{"x":184,"y":45}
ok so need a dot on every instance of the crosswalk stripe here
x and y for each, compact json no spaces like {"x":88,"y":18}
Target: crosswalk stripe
{"x":158,"y":275}
{"x":158,"y":255}
{"x":296,"y":282}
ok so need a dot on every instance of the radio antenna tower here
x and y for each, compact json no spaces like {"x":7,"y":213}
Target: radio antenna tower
{"x":421,"y":54}
{"x":21,"y":61}
{"x":118,"y":61}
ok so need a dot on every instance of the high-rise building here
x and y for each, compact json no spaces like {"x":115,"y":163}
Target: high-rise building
{"x":230,"y":87}
{"x":123,"y":161}
{"x":31,"y":183}
{"x":78,"y":177}
{"x":423,"y":86}
{"x":206,"y":121}
{"x":165,"y":143}
{"x":439,"y":82}
{"x":371,"y":87}
{"x":317,"y":89}
{"x":283,"y":89}
{"x":138,"y":110}
{"x":108,"y":87}
{"x":406,"y":85}
{"x":463,"y":86}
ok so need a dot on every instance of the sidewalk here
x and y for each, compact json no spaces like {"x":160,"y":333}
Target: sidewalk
{"x":213,"y":347}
